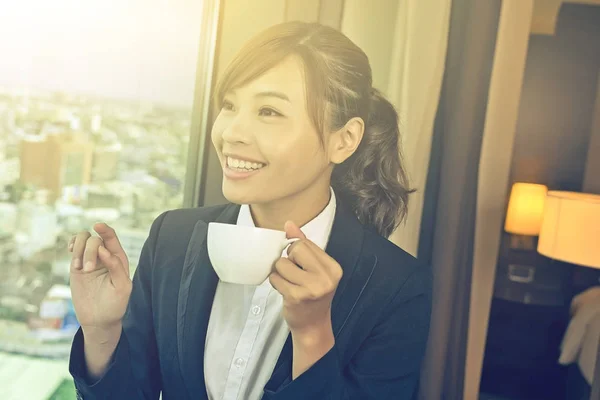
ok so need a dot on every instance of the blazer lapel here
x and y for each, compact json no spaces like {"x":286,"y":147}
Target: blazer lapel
{"x":345,"y":246}
{"x":196,"y":294}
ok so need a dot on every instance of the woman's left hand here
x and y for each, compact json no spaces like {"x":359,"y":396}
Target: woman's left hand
{"x":307,"y":279}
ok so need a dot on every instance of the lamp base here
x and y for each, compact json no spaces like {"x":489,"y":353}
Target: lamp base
{"x":522,"y":242}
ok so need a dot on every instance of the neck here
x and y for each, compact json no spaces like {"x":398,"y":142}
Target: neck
{"x":300,"y":208}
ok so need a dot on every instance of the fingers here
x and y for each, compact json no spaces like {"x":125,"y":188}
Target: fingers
{"x":109,"y":236}
{"x":313,"y":259}
{"x":293,"y":231}
{"x":290,"y":271}
{"x":90,"y":255}
{"x":71,"y":243}
{"x":112,"y":243}
{"x":118,"y":275}
{"x":302,"y":254}
{"x":79,"y":243}
{"x":290,"y":292}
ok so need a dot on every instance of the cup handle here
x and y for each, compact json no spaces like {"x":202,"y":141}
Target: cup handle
{"x":290,"y":241}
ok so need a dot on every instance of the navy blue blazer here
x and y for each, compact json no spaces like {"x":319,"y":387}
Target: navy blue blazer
{"x":380,"y":315}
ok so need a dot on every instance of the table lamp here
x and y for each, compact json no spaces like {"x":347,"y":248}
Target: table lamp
{"x":570,"y":229}
{"x":524,"y":215}
{"x":570,"y":232}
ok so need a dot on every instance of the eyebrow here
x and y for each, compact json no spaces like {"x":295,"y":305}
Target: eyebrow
{"x":278,"y":95}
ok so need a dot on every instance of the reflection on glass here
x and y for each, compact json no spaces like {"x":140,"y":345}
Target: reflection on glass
{"x":95,"y":128}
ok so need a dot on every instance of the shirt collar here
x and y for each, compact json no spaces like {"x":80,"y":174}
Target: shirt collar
{"x":316,"y":230}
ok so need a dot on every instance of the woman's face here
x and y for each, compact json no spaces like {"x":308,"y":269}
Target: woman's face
{"x":266,"y":141}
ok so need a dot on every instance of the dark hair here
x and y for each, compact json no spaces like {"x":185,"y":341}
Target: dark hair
{"x":372,"y":182}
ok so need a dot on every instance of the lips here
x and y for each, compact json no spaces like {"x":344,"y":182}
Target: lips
{"x":243,"y":157}
{"x":236,"y":174}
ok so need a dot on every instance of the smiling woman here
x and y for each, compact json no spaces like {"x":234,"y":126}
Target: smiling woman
{"x":307,"y":146}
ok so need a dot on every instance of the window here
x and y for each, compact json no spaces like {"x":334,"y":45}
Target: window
{"x":96,"y":102}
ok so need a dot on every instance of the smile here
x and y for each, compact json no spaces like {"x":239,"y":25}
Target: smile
{"x":243,"y":166}
{"x":236,"y":169}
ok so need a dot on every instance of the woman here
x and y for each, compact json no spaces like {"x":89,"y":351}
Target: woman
{"x":305,"y":141}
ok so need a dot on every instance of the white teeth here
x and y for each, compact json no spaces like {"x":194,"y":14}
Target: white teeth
{"x":241,"y":164}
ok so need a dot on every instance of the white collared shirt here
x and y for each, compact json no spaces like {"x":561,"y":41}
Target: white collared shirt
{"x":246,"y":330}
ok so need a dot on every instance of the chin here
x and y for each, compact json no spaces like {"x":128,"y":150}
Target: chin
{"x":238,"y":195}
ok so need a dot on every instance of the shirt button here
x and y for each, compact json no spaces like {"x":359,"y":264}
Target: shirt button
{"x":239,"y":362}
{"x":256,"y":310}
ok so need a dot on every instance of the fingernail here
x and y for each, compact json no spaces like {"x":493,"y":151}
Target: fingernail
{"x":77,"y":263}
{"x":70,"y":246}
{"x":102,"y":250}
{"x":88,"y":266}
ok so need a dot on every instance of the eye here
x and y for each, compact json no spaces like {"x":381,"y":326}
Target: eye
{"x":227,"y":105}
{"x":269,"y":112}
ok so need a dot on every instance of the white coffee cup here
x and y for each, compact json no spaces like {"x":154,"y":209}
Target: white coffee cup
{"x":245,"y":255}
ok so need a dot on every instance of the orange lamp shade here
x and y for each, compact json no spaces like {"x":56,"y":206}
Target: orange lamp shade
{"x":525,"y":209}
{"x":571,"y":228}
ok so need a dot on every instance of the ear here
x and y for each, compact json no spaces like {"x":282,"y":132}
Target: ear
{"x":344,"y":142}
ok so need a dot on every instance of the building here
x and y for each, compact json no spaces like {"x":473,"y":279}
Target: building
{"x":96,"y":123}
{"x":8,"y":250}
{"x":56,"y":161}
{"x":8,"y":222}
{"x":9,"y":171}
{"x":37,"y":228}
{"x":113,"y":194}
{"x":105,"y":166}
{"x":97,"y":198}
{"x":9,"y":260}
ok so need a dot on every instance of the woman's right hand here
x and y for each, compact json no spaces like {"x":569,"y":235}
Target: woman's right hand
{"x":100,"y":282}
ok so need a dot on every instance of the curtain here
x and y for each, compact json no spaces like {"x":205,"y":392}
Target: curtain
{"x":494,"y":170}
{"x":418,"y":55}
{"x":448,"y":222}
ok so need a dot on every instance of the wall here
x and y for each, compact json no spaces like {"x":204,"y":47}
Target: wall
{"x":556,"y":112}
{"x":591,"y":181}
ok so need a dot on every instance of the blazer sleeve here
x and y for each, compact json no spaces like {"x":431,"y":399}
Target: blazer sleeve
{"x":134,"y":371}
{"x":387,"y":365}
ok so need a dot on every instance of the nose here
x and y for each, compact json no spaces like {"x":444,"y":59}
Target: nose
{"x":238,"y":131}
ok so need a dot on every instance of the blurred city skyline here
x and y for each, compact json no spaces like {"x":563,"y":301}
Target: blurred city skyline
{"x":134,"y":50}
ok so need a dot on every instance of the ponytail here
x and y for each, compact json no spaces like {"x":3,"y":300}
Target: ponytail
{"x":373,"y":180}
